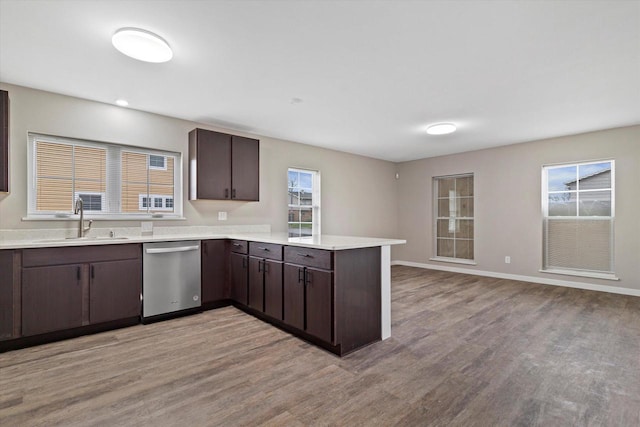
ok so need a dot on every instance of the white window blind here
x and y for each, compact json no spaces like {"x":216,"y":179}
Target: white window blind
{"x":109,"y":178}
{"x":578,"y":214}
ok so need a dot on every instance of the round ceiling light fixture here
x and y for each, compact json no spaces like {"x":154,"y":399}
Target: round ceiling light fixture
{"x":441,"y":128}
{"x":142,"y":45}
{"x":122,"y":102}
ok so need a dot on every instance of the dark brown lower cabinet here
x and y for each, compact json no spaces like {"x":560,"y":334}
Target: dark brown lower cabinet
{"x":10,"y":294}
{"x":265,"y":286}
{"x":239,"y":277}
{"x":273,"y":288}
{"x":294,"y":296}
{"x":114,"y":290}
{"x":319,"y":303}
{"x":215,"y":264}
{"x":64,"y":288}
{"x":51,"y":298}
{"x":308,"y":300}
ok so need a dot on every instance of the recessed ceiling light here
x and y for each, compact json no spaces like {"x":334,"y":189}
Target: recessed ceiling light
{"x":142,"y":45}
{"x":441,"y":129}
{"x":122,"y":102}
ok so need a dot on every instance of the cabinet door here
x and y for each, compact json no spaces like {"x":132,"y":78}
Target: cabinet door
{"x":213,"y":165}
{"x":273,"y":289}
{"x":214,"y":271}
{"x":245,"y":169}
{"x":239,"y":278}
{"x":319,"y":303}
{"x":294,"y":296}
{"x":9,"y":293}
{"x":256,"y":283}
{"x":51,"y":298}
{"x":114,"y":290}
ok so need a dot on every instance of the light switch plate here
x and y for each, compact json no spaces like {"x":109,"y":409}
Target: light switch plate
{"x":146,"y":226}
{"x":222,"y":216}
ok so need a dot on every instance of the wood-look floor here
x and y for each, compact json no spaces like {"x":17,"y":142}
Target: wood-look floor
{"x":465,"y":351}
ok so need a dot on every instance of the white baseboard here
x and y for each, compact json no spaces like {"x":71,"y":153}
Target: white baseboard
{"x":533,"y":279}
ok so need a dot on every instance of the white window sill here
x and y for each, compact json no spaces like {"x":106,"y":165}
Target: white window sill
{"x":454,"y":260}
{"x":592,"y":275}
{"x":105,"y":218}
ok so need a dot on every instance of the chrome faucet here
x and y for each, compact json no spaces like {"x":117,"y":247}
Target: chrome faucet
{"x":81,"y":228}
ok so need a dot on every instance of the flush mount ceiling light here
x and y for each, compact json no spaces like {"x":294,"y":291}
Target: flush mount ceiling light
{"x":441,"y":129}
{"x":142,"y":45}
{"x":122,"y":102}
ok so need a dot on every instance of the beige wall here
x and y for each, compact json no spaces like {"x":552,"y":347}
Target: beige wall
{"x":508,"y":216}
{"x":358,"y":193}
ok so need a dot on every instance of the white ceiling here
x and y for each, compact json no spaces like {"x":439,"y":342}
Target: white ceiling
{"x":371,"y":74}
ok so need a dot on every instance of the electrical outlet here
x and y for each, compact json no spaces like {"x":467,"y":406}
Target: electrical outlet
{"x":507,"y":260}
{"x":222,"y":216}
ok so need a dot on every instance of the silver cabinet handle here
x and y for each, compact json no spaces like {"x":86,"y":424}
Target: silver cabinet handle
{"x":169,"y":250}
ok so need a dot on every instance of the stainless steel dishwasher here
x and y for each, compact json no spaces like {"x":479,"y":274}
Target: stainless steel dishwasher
{"x":171,"y":277}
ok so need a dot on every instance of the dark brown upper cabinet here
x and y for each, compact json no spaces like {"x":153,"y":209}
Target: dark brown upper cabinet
{"x":4,"y":141}
{"x":223,"y":166}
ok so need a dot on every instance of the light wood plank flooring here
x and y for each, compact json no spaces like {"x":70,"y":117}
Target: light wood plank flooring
{"x":465,"y":351}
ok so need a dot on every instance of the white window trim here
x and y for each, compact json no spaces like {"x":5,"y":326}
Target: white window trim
{"x":315,"y":207}
{"x":607,"y":275}
{"x":32,"y":215}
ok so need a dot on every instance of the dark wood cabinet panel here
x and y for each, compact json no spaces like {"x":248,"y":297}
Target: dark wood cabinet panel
{"x":256,"y":283}
{"x":210,"y":154}
{"x":273,"y":283}
{"x":266,"y":250}
{"x":223,"y":166}
{"x":294,"y":296}
{"x":215,"y":268}
{"x":239,"y":277}
{"x":114,"y":290}
{"x":4,"y":141}
{"x":79,"y":254}
{"x":319,"y":303}
{"x":51,"y":298}
{"x":9,"y":294}
{"x":309,"y":257}
{"x":240,"y":246}
{"x":245,"y":169}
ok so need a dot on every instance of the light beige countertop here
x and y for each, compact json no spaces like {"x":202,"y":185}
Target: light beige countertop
{"x":327,"y":242}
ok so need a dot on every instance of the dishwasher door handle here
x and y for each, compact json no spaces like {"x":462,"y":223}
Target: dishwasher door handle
{"x":169,"y":250}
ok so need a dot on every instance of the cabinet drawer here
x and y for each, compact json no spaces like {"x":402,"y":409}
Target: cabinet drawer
{"x":265,"y":250}
{"x":239,"y":246}
{"x":309,"y":257}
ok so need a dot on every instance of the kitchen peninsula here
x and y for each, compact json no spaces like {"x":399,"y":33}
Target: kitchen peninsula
{"x":333,"y":291}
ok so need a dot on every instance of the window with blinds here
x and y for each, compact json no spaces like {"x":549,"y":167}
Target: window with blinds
{"x":578,"y":216}
{"x":112,"y":180}
{"x":454,"y":225}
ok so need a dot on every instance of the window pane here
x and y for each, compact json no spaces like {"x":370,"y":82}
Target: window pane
{"x":464,"y":249}
{"x":443,"y":207}
{"x":294,"y":198}
{"x":595,"y":203}
{"x":306,"y":198}
{"x":563,"y":178}
{"x":156,"y":161}
{"x":465,"y":207}
{"x":445,"y":185}
{"x":294,"y":215}
{"x":306,"y":215}
{"x":445,"y":248}
{"x":91,"y":202}
{"x":294,"y":181}
{"x":445,"y":229}
{"x":464,"y":186}
{"x":464,"y":228}
{"x":581,"y":244}
{"x":306,"y":230}
{"x":562,"y":204}
{"x":596,"y":176}
{"x":306,"y":181}
{"x":169,"y":202}
{"x":54,"y":195}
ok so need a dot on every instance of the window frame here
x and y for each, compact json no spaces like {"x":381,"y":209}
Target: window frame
{"x":111,"y":196}
{"x":314,"y":207}
{"x":435,"y":198}
{"x":581,"y":272}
